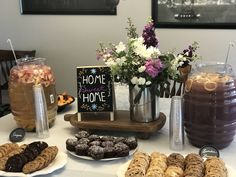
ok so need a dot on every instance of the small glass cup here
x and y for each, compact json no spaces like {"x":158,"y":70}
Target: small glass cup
{"x":176,"y":130}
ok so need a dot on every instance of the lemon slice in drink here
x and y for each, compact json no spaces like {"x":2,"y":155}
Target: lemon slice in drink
{"x":224,"y":79}
{"x":201,"y":79}
{"x":210,"y":86}
{"x":188,"y":85}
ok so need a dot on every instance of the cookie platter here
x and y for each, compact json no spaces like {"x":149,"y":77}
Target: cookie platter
{"x":36,"y":158}
{"x":174,"y":165}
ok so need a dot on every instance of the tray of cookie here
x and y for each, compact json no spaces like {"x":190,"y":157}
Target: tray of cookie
{"x":174,"y":165}
{"x":36,"y":158}
{"x":89,"y":146}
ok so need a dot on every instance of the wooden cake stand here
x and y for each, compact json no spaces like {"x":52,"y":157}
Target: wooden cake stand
{"x":122,"y":122}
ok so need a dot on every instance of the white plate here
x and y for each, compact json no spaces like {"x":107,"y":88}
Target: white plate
{"x":57,"y":163}
{"x":122,"y":169}
{"x":106,"y":159}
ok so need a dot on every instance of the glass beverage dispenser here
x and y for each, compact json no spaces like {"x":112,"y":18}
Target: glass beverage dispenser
{"x":210,"y":105}
{"x":27,"y":73}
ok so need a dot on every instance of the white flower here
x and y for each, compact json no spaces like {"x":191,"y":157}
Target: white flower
{"x":141,"y":69}
{"x":181,"y":63}
{"x":148,"y":83}
{"x":138,"y":41}
{"x":153,"y":50}
{"x":110,"y":62}
{"x":141,"y":50}
{"x":134,"y":80}
{"x":120,"y":61}
{"x":120,"y":47}
{"x":141,"y":81}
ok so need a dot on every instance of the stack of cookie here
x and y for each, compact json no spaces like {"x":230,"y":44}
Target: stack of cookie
{"x":175,"y":168}
{"x":158,"y":165}
{"x":15,"y":151}
{"x":26,"y":158}
{"x":194,"y":166}
{"x":7,"y":148}
{"x":41,"y":161}
{"x":215,"y":167}
{"x":138,"y":166}
{"x":16,"y":162}
{"x":175,"y":165}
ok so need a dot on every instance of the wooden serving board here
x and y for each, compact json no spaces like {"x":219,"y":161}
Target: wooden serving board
{"x":122,"y":123}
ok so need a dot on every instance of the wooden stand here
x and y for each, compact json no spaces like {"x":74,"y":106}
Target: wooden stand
{"x":122,"y":122}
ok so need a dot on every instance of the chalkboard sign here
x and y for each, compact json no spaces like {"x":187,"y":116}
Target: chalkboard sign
{"x":82,"y":7}
{"x":95,"y":93}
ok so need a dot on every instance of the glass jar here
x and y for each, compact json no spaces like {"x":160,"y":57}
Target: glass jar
{"x":210,"y":105}
{"x":27,"y":73}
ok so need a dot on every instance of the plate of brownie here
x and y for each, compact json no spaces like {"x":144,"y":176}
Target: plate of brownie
{"x":36,"y":158}
{"x":104,"y":148}
{"x":102,"y":158}
{"x":192,"y":164}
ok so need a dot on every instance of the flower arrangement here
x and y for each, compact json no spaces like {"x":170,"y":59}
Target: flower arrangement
{"x":139,"y":63}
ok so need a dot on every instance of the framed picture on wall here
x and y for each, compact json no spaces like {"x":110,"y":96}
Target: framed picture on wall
{"x":73,"y":7}
{"x":218,"y":14}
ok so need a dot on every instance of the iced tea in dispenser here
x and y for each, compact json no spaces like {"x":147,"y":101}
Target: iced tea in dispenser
{"x":210,"y":105}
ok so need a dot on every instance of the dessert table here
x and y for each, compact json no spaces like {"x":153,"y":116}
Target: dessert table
{"x":88,"y":168}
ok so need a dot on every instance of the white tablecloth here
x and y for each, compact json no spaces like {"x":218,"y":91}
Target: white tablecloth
{"x":85,"y":168}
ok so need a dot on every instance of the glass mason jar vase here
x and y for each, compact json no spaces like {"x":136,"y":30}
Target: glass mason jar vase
{"x":27,"y":73}
{"x":210,"y":105}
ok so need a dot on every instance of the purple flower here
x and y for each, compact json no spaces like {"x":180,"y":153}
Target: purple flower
{"x":149,"y":35}
{"x":153,"y":67}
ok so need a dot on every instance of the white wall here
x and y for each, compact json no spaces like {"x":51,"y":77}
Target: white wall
{"x":68,"y":41}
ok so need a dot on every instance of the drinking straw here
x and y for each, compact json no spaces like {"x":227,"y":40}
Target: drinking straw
{"x":13,"y":51}
{"x":231,"y":44}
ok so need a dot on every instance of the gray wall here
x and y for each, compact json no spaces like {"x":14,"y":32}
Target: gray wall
{"x":68,"y":41}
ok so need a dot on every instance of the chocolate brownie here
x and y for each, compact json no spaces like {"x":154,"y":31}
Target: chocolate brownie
{"x":109,"y":152}
{"x":131,"y":142}
{"x":97,"y":143}
{"x":121,"y":149}
{"x":82,"y":134}
{"x":94,"y":137}
{"x":81,"y":149}
{"x":83,"y":141}
{"x":107,"y":143}
{"x":107,"y":138}
{"x":96,"y":152}
{"x":119,"y":139}
{"x":71,"y":143}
